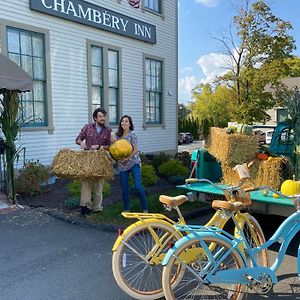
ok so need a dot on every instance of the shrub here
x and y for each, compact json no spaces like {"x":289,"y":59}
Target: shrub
{"x":30,"y":178}
{"x":144,"y":159}
{"x":148,"y":176}
{"x":184,"y":157}
{"x":72,"y":202}
{"x":177,"y":179}
{"x":159,"y":159}
{"x":74,"y":188}
{"x":172,"y":168}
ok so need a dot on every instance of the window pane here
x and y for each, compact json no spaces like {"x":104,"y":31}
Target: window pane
{"x":152,"y":67}
{"x":97,"y":76}
{"x":38,"y":46}
{"x":113,"y":78}
{"x":13,"y":40}
{"x":97,"y":56}
{"x":27,"y":111}
{"x":26,"y":63}
{"x":147,"y":67}
{"x":112,"y":114}
{"x":38,"y":90}
{"x":112,"y":96}
{"x":39,"y":112}
{"x":157,"y":119}
{"x":38,"y":68}
{"x":96,"y":96}
{"x":26,"y":43}
{"x":112,"y":60}
{"x":15,"y":58}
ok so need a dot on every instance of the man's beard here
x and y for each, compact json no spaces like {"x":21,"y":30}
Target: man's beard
{"x":101,"y":124}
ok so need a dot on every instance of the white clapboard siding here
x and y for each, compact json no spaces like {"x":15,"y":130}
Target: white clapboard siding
{"x":69,"y":78}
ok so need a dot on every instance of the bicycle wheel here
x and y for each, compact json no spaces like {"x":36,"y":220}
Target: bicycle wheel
{"x":132,"y":270}
{"x":255,"y":237}
{"x":190,"y":285}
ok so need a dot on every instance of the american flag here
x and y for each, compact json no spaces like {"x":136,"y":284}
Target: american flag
{"x":134,"y":3}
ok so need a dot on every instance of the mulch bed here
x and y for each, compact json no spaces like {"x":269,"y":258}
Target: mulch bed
{"x":54,"y":195}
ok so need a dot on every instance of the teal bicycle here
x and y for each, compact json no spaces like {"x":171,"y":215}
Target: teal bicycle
{"x":225,"y":265}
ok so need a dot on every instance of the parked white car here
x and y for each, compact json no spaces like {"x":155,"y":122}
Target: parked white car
{"x":269,"y":135}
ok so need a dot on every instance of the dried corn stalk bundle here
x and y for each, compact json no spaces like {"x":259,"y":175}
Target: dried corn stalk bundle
{"x":232,"y":149}
{"x":82,"y":164}
{"x":273,"y":172}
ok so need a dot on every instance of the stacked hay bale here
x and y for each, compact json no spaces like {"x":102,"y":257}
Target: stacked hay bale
{"x":235,"y":149}
{"x":83,"y":164}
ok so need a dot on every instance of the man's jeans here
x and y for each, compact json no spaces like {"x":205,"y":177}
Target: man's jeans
{"x":86,"y":194}
{"x":124,"y":179}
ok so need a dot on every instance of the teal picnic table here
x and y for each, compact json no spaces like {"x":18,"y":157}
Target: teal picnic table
{"x":260,"y":203}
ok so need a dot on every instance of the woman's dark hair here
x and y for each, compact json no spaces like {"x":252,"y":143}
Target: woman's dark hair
{"x":120,"y":129}
{"x":96,"y":111}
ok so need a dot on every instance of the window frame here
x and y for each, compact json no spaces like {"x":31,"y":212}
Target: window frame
{"x":4,"y":24}
{"x":105,"y":49}
{"x":162,"y":104}
{"x":160,"y":14}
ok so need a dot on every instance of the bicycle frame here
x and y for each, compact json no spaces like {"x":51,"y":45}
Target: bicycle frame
{"x":284,"y":234}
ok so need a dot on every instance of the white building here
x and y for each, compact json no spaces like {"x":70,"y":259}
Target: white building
{"x":86,"y":54}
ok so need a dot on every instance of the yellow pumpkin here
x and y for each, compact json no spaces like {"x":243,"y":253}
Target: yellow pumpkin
{"x":290,"y":187}
{"x":120,"y":149}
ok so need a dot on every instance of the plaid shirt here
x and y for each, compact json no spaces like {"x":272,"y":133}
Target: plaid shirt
{"x":92,"y":137}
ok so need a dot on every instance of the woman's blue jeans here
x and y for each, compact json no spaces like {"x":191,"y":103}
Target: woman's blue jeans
{"x":124,"y":179}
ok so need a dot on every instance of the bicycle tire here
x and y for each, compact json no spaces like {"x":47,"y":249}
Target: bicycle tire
{"x":256,"y":240}
{"x":134,"y":276}
{"x":190,"y":286}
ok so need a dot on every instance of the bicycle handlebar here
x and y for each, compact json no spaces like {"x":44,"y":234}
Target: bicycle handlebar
{"x":230,"y":188}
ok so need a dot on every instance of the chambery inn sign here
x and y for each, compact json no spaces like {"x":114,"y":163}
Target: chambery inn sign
{"x":89,"y":14}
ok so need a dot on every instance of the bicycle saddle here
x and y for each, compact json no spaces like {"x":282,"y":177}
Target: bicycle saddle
{"x":172,"y":201}
{"x":235,"y":206}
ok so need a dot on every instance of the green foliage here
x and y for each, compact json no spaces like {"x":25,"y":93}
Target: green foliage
{"x":30,"y":178}
{"x":160,"y":158}
{"x":144,"y":159}
{"x":177,"y":179}
{"x":184,"y":157}
{"x":183,"y":111}
{"x":74,"y":188}
{"x":148,"y":176}
{"x":172,"y":168}
{"x":72,"y":202}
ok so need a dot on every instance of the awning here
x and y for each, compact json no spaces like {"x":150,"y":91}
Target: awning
{"x":12,"y":77}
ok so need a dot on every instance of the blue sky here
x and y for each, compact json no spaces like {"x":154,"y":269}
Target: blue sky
{"x":200,"y":56}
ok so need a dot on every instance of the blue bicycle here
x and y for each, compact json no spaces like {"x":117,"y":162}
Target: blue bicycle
{"x":210,"y":263}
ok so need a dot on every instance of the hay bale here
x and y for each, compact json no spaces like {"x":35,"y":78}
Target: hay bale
{"x":273,"y":172}
{"x":82,"y":164}
{"x":232,"y":149}
{"x":230,"y":176}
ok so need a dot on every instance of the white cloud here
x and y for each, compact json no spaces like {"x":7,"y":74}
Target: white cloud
{"x":185,"y":87}
{"x":213,"y":65}
{"x":185,"y":70}
{"x":209,"y":3}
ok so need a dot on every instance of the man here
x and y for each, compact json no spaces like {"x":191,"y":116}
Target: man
{"x":92,"y":137}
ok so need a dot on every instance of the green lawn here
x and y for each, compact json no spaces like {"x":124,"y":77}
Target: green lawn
{"x":112,"y":213}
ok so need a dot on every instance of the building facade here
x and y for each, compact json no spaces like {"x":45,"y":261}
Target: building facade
{"x":118,"y":54}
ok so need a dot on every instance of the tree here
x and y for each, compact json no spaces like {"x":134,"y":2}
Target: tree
{"x":183,"y":111}
{"x":259,"y":48}
{"x":214,"y":105}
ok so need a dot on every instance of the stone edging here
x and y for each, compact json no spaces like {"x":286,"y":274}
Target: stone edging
{"x":109,"y":227}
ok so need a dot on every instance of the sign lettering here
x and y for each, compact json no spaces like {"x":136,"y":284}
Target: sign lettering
{"x":86,"y":13}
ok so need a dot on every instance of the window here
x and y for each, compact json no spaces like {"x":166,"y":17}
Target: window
{"x":281,"y":114}
{"x":154,"y":5}
{"x":27,"y":49}
{"x":153,"y":86}
{"x":104,"y":80}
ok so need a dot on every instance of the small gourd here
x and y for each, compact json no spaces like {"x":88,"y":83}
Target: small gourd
{"x":290,"y":187}
{"x":262,"y":156}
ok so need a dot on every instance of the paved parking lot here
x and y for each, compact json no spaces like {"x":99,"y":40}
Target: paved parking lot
{"x":191,"y":147}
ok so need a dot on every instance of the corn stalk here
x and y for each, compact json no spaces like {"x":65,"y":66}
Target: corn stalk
{"x":9,"y":122}
{"x":292,"y":102}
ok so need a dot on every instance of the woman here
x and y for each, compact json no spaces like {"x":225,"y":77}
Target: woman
{"x":130,"y":164}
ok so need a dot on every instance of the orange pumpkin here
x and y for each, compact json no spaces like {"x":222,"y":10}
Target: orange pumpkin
{"x":120,"y":149}
{"x":262,"y":156}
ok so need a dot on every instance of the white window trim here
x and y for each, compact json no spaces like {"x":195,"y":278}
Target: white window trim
{"x":3,"y":25}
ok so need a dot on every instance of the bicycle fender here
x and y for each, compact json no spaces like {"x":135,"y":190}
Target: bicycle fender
{"x":178,"y":244}
{"x":134,"y":225}
{"x":198,"y":235}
